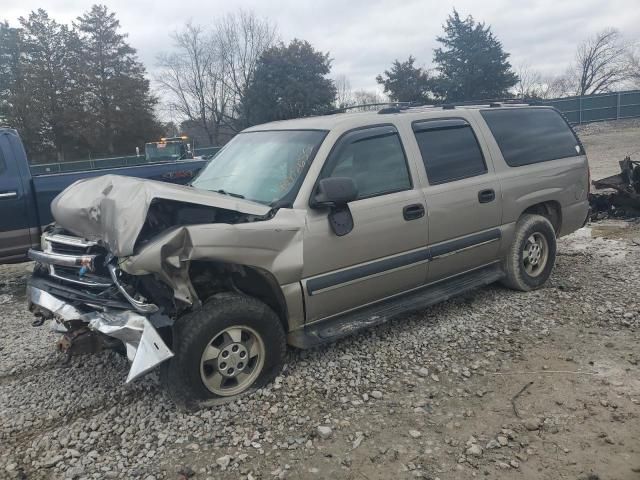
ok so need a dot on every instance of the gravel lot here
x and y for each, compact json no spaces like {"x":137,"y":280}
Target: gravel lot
{"x":606,"y":143}
{"x":539,"y":385}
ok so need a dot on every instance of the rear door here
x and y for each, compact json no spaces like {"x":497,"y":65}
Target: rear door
{"x":385,"y":253}
{"x":15,"y":237}
{"x":463,"y":197}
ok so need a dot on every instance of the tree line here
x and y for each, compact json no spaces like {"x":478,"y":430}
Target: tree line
{"x":79,"y":90}
{"x":74,"y":90}
{"x":471,"y":64}
{"x":222,"y":79}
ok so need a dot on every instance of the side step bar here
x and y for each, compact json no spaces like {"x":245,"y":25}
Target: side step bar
{"x":351,"y":322}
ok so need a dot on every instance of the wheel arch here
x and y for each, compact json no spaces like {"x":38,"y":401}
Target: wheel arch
{"x":211,"y":277}
{"x":550,"y":209}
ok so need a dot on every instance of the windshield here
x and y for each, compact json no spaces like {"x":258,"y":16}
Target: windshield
{"x":265,"y":167}
{"x":164,"y":151}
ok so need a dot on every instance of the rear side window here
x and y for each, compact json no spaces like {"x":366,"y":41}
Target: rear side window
{"x":376,"y":163}
{"x":531,"y":135}
{"x":449,"y":150}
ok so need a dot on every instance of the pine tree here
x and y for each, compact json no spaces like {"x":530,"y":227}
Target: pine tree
{"x":406,"y":82}
{"x":15,"y":101}
{"x":289,"y":82}
{"x":8,"y":60}
{"x":117,"y":97}
{"x":50,"y":76}
{"x":471,"y":62}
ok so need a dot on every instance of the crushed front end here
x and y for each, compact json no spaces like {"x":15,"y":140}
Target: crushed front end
{"x":78,"y":285}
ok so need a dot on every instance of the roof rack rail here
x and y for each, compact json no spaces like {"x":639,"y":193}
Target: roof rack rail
{"x":399,"y":105}
{"x":492,"y":102}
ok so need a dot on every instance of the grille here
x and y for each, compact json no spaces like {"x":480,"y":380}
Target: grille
{"x":69,"y":245}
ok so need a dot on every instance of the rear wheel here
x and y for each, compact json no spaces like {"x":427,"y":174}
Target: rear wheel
{"x":530,"y":259}
{"x":234,"y":343}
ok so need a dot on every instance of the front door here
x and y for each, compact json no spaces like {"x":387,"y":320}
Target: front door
{"x":385,"y":253}
{"x":463,"y":197}
{"x":15,"y":237}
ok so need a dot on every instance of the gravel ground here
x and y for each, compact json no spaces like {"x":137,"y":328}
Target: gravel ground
{"x":426,"y":396}
{"x":538,"y":385}
{"x":606,"y":143}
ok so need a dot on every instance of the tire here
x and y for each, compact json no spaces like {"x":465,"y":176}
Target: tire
{"x":524,"y":274}
{"x":213,"y":329}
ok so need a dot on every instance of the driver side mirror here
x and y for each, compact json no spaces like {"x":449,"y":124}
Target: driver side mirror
{"x":335,"y":192}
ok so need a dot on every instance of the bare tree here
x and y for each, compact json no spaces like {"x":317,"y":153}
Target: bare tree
{"x":242,"y":38}
{"x":368,"y":97}
{"x":344,"y":95}
{"x":634,"y":66}
{"x":555,"y":87}
{"x":529,"y":82}
{"x":601,"y":63}
{"x":193,"y":77}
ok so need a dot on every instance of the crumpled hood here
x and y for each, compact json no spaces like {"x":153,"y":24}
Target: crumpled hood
{"x":112,"y":209}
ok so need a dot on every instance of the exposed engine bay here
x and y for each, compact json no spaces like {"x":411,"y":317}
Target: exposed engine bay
{"x":106,"y":273}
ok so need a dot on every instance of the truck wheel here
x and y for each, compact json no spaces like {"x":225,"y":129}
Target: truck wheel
{"x":531,"y":257}
{"x":232,"y":344}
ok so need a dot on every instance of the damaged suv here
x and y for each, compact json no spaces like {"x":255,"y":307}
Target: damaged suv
{"x":303,"y":231}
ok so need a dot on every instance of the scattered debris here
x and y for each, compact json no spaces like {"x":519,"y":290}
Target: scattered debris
{"x":513,"y":402}
{"x":624,"y":200}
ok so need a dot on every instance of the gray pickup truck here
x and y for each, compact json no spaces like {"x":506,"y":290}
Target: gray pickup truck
{"x":304,"y":231}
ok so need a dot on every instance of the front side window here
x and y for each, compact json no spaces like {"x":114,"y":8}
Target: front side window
{"x":449,"y":150}
{"x":266,"y":167}
{"x":376,"y":162}
{"x":531,"y":135}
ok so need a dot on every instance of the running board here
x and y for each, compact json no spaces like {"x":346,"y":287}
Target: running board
{"x":332,"y":329}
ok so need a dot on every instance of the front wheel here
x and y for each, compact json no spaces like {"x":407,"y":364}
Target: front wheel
{"x":532,"y":254}
{"x":234,"y":343}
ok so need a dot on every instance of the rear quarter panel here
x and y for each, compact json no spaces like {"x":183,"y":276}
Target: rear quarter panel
{"x":564,"y":181}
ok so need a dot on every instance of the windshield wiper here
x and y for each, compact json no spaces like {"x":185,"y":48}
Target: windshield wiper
{"x":231,"y":194}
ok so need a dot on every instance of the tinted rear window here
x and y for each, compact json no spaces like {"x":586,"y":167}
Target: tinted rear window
{"x":531,"y":135}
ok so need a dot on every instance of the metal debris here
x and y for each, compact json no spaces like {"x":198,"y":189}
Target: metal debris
{"x":624,"y":200}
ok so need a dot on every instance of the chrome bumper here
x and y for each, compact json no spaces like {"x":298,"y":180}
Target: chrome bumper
{"x":145,"y":347}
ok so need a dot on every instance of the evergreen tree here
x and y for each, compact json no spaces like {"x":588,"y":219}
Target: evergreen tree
{"x":406,"y":82}
{"x":15,"y":100}
{"x":471,"y":62}
{"x":50,"y":81}
{"x":9,"y":55}
{"x":290,"y":81}
{"x":118,"y":102}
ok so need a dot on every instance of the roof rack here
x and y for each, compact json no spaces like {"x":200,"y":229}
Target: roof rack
{"x":398,"y":105}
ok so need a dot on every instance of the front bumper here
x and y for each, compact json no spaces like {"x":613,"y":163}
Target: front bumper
{"x":144,"y":345}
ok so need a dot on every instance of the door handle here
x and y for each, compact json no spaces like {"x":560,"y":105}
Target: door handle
{"x":486,"y":196}
{"x":8,"y":194}
{"x":413,"y":212}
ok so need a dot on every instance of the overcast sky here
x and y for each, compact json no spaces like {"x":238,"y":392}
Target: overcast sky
{"x":365,"y":36}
